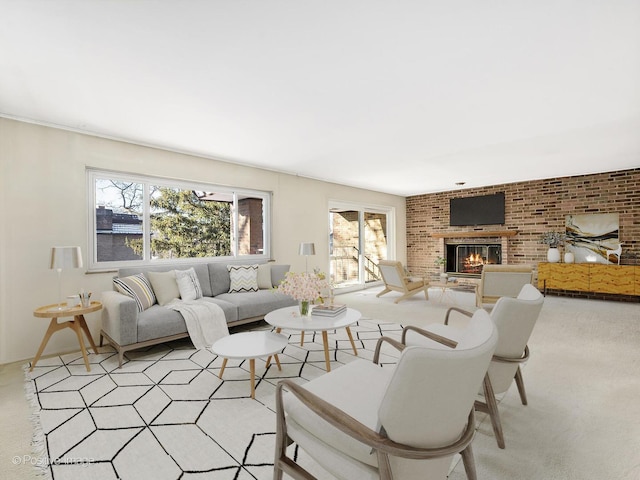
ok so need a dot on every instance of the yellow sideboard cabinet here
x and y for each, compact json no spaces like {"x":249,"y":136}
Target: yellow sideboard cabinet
{"x":590,"y":277}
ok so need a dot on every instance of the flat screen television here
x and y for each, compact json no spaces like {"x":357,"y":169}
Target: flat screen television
{"x":482,"y":210}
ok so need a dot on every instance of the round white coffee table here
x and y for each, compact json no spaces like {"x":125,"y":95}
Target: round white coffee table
{"x":249,"y":345}
{"x":289,"y":318}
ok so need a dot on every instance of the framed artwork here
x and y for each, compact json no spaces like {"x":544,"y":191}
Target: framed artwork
{"x":591,"y":236}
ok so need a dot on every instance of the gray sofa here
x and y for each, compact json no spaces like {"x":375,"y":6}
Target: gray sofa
{"x":125,"y":328}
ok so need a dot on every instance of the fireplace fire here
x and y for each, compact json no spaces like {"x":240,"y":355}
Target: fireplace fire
{"x":468,"y":259}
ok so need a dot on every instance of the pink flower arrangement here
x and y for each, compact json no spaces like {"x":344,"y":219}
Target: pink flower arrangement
{"x":304,"y":287}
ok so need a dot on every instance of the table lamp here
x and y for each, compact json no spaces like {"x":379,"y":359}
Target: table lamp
{"x":306,"y":249}
{"x":63,"y":258}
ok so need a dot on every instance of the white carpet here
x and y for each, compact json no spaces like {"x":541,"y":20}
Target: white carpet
{"x":582,"y":421}
{"x":166,"y":414}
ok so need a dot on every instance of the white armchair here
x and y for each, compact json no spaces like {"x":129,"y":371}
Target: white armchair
{"x":403,"y":421}
{"x":498,"y":281}
{"x":396,"y":280}
{"x":514,"y":319}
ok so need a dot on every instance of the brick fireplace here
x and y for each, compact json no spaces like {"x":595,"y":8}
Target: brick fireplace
{"x":469,"y":258}
{"x":466,"y":252}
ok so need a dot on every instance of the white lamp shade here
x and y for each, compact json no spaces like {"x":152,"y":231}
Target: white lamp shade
{"x":307,"y":249}
{"x":66,"y":257}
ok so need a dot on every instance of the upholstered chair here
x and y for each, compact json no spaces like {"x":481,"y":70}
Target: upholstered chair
{"x":396,"y":279}
{"x":514,"y":319}
{"x":497,"y":281}
{"x":403,"y":421}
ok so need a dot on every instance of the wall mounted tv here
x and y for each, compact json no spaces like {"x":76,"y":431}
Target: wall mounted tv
{"x":483,"y":210}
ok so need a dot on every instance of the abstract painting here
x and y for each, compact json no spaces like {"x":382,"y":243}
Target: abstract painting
{"x":590,"y":236}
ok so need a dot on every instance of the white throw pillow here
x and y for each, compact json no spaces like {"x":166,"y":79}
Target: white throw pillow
{"x":188,"y":284}
{"x":264,"y":276}
{"x":164,"y":286}
{"x":244,"y":278}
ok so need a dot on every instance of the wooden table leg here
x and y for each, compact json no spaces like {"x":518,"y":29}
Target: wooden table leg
{"x":224,"y":364}
{"x":252,"y":367}
{"x":325,"y":341}
{"x":302,"y":338}
{"x":75,"y":326}
{"x":83,"y":324}
{"x":277,"y":361}
{"x":53,"y":327}
{"x":353,"y":345}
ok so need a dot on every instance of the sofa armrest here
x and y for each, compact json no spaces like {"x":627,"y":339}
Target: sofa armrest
{"x":120,"y":317}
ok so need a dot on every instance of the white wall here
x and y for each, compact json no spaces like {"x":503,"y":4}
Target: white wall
{"x":43,"y":200}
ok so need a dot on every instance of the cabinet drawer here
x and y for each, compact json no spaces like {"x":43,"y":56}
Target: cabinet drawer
{"x":564,"y":276}
{"x":612,"y":279}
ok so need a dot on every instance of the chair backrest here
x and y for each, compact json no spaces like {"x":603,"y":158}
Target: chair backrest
{"x":432,"y":390}
{"x":392,"y":272}
{"x":504,"y":280}
{"x":514,"y":318}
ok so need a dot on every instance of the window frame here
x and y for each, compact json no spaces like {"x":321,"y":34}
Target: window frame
{"x":92,"y":174}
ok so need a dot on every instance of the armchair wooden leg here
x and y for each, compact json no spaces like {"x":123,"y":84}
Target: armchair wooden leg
{"x":281,"y":434}
{"x":491,"y":407}
{"x":384,"y":467}
{"x":469,"y":463}
{"x":386,"y":290}
{"x":520,"y":384}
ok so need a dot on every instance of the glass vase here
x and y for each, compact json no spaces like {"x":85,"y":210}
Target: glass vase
{"x":305,"y":308}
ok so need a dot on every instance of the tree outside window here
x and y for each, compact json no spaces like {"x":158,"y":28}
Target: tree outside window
{"x":182,"y":222}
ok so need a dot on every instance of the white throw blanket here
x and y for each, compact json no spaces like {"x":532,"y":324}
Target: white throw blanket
{"x":205,"y":321}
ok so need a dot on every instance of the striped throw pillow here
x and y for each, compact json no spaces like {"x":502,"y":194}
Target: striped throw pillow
{"x":137,"y":287}
{"x":244,"y":278}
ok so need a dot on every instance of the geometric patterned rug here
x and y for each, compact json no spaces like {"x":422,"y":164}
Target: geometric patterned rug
{"x":165,"y":415}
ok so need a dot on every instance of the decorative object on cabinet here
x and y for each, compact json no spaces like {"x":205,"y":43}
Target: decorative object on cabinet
{"x":590,"y":237}
{"x":553,"y":240}
{"x":617,"y":252}
{"x":553,"y":255}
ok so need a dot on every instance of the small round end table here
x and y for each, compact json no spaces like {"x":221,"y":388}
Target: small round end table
{"x":250,"y":345}
{"x":78,"y":325}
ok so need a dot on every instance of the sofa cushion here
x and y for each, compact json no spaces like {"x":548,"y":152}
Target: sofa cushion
{"x":164,"y":285}
{"x":188,"y":284}
{"x":257,"y":304}
{"x":138,"y":288}
{"x":230,"y":310}
{"x":202,"y":270}
{"x":278,"y":273}
{"x":157,"y":322}
{"x":264,"y":276}
{"x":243,"y":278}
{"x":219,"y":276}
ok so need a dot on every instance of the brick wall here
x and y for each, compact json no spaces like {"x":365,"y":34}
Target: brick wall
{"x":250,"y":226}
{"x":531,"y":208}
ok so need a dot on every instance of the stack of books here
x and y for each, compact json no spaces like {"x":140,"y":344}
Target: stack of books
{"x":329,"y":310}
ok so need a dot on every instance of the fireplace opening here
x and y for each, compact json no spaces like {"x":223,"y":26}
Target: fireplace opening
{"x":469,"y":258}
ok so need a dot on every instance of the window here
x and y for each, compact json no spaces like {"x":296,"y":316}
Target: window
{"x":141,"y":220}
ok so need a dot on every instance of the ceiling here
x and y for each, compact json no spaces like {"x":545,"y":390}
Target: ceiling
{"x":404,"y":97}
